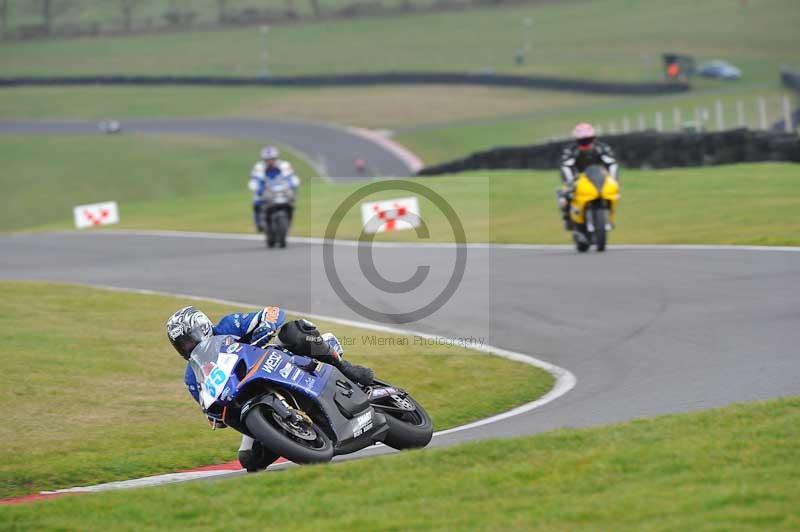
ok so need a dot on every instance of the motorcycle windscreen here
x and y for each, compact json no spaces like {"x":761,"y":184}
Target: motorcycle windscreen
{"x":212,"y":362}
{"x":279,"y":193}
{"x":597,"y":175}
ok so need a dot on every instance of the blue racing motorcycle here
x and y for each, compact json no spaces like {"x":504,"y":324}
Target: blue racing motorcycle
{"x":299,"y":408}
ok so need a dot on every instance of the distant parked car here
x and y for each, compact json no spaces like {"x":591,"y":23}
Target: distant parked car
{"x":109,"y":127}
{"x":719,"y":70}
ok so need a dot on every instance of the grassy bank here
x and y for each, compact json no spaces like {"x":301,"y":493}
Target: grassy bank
{"x":728,"y":469}
{"x":97,"y":394}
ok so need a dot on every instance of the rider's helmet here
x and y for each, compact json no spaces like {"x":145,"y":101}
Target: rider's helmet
{"x":584,"y":135}
{"x":270,"y":154}
{"x":187,"y":328}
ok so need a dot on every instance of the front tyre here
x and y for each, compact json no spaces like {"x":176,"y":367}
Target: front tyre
{"x":600,"y":221}
{"x":410,"y":426}
{"x":281,"y":221}
{"x":300,"y":442}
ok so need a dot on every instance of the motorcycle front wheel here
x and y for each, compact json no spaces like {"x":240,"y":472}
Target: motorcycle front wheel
{"x":600,"y":221}
{"x":281,"y":223}
{"x":300,"y":442}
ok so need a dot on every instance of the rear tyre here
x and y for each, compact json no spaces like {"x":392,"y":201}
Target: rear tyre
{"x":600,"y":220}
{"x":302,"y":443}
{"x":407,"y":430}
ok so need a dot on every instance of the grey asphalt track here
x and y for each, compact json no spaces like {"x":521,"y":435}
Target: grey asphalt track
{"x":331,"y":150}
{"x":646,"y":331}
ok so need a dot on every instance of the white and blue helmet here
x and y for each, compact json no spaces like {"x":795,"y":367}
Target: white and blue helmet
{"x":270,"y":152}
{"x":187,"y":328}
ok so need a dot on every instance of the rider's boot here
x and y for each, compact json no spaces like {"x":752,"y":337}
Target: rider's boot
{"x":253,"y":456}
{"x":563,"y":205}
{"x":568,"y":224}
{"x":360,"y":374}
{"x":257,"y":219}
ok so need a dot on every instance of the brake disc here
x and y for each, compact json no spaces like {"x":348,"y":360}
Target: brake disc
{"x":296,"y":428}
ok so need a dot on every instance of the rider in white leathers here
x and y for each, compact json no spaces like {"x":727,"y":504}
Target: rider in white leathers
{"x":269,"y":172}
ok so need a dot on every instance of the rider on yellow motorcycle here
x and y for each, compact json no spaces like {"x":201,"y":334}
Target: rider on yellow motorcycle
{"x":576,"y":157}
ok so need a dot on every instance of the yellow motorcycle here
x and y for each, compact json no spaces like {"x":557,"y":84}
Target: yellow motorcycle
{"x":592,"y":207}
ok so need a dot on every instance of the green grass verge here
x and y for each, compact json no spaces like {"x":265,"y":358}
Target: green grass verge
{"x":729,"y":469}
{"x":95,"y":392}
{"x":200,"y":186}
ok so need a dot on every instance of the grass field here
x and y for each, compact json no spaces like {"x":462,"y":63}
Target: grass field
{"x":740,"y":204}
{"x":729,"y":469}
{"x":199,"y":184}
{"x":97,"y":394}
{"x":77,"y":170}
{"x":150,"y":14}
{"x":437,"y":123}
{"x":601,"y":39}
{"x":377,"y":107}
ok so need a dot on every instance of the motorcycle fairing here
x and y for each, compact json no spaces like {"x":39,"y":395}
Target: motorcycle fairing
{"x":355,"y":424}
{"x":277,"y":365}
{"x":221,"y":354}
{"x":588,"y":188}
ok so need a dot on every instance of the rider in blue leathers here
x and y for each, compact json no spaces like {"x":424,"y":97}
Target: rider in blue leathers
{"x":268,"y":172}
{"x":255,"y":328}
{"x":189,"y":326}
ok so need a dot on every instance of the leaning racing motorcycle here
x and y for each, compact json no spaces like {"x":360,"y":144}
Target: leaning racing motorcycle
{"x":594,"y":201}
{"x":299,"y":408}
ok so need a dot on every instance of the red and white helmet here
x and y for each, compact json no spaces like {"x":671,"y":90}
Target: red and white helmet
{"x":583,"y":131}
{"x":584,"y":134}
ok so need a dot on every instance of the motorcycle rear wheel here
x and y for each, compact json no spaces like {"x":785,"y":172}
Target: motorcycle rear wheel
{"x":408,"y":430}
{"x":262,"y":424}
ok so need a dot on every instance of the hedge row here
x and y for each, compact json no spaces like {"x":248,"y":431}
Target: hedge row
{"x":385,"y":78}
{"x":647,"y":149}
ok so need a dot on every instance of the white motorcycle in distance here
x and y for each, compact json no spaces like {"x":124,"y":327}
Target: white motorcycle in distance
{"x":276,"y":213}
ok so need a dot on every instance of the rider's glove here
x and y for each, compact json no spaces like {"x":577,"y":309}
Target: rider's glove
{"x":262,"y":335}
